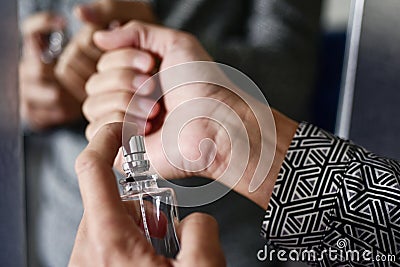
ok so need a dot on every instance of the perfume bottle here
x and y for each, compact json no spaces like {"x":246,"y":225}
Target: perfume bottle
{"x":154,"y":208}
{"x":54,"y":45}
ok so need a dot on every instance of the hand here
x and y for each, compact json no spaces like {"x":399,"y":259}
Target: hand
{"x":193,"y":157}
{"x":110,"y":90}
{"x":43,"y":102}
{"x":108,"y":235}
{"x":78,"y":61}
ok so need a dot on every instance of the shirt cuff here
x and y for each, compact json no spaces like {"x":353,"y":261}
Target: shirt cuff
{"x":304,"y":195}
{"x":336,"y":197}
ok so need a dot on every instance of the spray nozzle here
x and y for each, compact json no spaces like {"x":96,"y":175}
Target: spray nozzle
{"x":134,"y":153}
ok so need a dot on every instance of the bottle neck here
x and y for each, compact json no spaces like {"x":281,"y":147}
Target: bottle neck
{"x":136,"y":168}
{"x":138,"y":183}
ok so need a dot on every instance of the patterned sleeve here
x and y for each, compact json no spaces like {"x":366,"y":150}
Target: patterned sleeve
{"x":334,"y":203}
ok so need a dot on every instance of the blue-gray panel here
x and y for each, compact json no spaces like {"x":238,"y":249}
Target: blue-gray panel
{"x":376,"y":107}
{"x":12,"y":195}
{"x":374,"y":118}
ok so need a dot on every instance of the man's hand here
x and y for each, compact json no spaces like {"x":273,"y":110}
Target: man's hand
{"x":109,"y":90}
{"x":108,"y":235}
{"x":43,"y":101}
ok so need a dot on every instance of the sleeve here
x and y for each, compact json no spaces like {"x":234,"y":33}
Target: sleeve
{"x":334,"y":203}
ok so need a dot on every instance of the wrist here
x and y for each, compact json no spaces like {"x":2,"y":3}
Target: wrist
{"x":285,"y":129}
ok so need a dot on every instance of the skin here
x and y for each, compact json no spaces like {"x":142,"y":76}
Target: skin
{"x":109,"y":236}
{"x":52,"y":94}
{"x":44,"y":103}
{"x":174,"y":47}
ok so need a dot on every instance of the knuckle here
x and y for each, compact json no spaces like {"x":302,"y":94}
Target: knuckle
{"x":90,"y":86}
{"x":61,"y":69}
{"x":134,"y":24}
{"x":109,"y":6}
{"x":86,"y":110}
{"x":123,"y":77}
{"x":118,"y":117}
{"x":84,"y":40}
{"x":86,"y":161}
{"x":124,"y":100}
{"x":183,"y":38}
{"x":89,"y":131}
{"x":203,"y":218}
{"x":54,"y":93}
{"x":102,"y":63}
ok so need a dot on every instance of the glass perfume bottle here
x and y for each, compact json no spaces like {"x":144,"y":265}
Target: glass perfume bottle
{"x":154,"y":206}
{"x":54,"y":45}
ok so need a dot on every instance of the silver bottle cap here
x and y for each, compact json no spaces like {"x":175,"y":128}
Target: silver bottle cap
{"x":134,"y":156}
{"x":136,"y":145}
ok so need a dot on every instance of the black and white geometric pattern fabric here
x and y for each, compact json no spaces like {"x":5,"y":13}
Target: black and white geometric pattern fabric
{"x":333,"y":196}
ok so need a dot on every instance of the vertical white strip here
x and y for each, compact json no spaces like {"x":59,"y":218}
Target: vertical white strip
{"x":349,"y":73}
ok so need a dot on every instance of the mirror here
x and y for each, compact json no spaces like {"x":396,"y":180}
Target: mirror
{"x":12,"y":199}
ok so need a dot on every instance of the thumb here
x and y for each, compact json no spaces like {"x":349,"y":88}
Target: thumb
{"x":200,"y":245}
{"x":153,"y":38}
{"x":101,"y":13}
{"x":89,"y":13}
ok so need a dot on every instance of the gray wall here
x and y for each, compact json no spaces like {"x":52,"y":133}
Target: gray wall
{"x":369,"y":113}
{"x":12,"y":203}
{"x":375,"y":120}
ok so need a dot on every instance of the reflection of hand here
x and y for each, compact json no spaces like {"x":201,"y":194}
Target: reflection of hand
{"x":173,"y":48}
{"x":78,"y":61}
{"x":43,"y":102}
{"x":107,"y":234}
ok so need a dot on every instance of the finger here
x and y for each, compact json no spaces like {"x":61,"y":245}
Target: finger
{"x":36,"y":121}
{"x":62,"y":111}
{"x":32,"y":68}
{"x":101,"y":13}
{"x":126,"y":80}
{"x":41,"y":118}
{"x":144,"y":36}
{"x":32,"y":47}
{"x":46,"y":94}
{"x":71,"y":81}
{"x":94,"y":126}
{"x":126,"y":58}
{"x":100,"y":105}
{"x":84,"y":39}
{"x":43,"y":22}
{"x":200,"y":245}
{"x":77,"y":59}
{"x":96,"y":179}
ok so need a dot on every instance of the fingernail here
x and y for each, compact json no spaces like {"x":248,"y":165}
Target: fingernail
{"x":141,"y":62}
